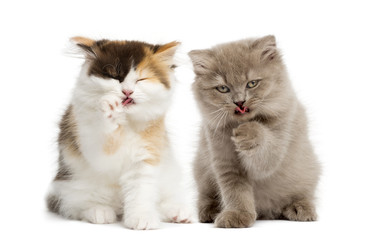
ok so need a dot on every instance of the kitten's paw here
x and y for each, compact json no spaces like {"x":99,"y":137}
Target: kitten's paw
{"x":247,"y":136}
{"x":235,"y":219}
{"x":142,"y":222}
{"x":300,"y":211}
{"x":177,"y":213}
{"x":99,"y":215}
{"x":112,"y":108}
{"x":208,"y":214}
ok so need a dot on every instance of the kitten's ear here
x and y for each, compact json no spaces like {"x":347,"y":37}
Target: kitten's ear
{"x":201,"y":60}
{"x":167,"y":52}
{"x":268,"y":46}
{"x":86,"y":45}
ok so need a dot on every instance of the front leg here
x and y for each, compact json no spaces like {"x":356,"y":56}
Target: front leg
{"x":238,"y":208}
{"x":173,"y":204}
{"x":260,"y":148}
{"x":237,"y":196}
{"x":140,"y":196}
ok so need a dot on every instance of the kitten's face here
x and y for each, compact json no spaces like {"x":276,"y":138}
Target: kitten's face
{"x":140,"y":73}
{"x":240,"y":80}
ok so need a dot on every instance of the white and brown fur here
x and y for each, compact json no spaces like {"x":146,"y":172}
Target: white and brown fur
{"x":258,"y":163}
{"x":115,"y":160}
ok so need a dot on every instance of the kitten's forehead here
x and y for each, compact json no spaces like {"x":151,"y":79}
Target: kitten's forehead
{"x":117,"y":59}
{"x":233,"y":57}
{"x":239,"y":61}
{"x":130,"y":52}
{"x":230,"y":66}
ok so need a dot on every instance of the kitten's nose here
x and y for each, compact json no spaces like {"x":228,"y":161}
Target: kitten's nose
{"x":127,"y":92}
{"x":239,"y":104}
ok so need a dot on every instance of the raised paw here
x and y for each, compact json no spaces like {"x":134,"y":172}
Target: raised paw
{"x":247,"y":136}
{"x":112,"y":108}
{"x":99,"y":215}
{"x":300,"y":211}
{"x":235,"y":219}
{"x":142,"y":222}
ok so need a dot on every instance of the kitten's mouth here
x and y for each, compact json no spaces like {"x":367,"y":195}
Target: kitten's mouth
{"x":241,"y":110}
{"x":128,"y":101}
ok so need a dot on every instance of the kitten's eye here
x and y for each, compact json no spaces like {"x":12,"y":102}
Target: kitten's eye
{"x":252,"y":84}
{"x":111,"y":76}
{"x":223,"y":89}
{"x":141,"y":79}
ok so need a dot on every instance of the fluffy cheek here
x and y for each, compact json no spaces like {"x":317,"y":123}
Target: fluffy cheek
{"x":151,"y":100}
{"x":215,"y":98}
{"x":151,"y":92}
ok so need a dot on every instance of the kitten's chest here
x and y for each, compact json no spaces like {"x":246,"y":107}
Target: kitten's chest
{"x":122,"y":143}
{"x":114,"y":151}
{"x":219,"y":142}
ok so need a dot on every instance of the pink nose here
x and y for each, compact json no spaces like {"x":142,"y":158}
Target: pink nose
{"x":239,"y":104}
{"x":127,"y":92}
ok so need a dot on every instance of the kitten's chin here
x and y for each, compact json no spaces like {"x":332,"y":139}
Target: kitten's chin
{"x":132,"y":108}
{"x":144,"y":110}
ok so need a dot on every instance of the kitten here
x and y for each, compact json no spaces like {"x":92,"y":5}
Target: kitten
{"x":254,"y":159}
{"x":115,"y":157}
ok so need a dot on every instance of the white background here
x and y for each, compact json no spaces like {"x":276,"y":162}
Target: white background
{"x":326,"y":46}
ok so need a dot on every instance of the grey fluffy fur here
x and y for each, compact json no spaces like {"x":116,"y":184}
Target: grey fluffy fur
{"x":256,"y":165}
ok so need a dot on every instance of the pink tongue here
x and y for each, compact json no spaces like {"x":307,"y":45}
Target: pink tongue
{"x":128,"y":101}
{"x":241,"y":110}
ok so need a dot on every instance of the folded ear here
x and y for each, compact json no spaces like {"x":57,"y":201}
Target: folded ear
{"x":268,"y":46}
{"x":166,"y":53}
{"x":201,"y":60}
{"x":86,"y":45}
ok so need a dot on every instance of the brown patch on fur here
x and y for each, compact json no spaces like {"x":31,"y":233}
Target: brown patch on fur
{"x":68,"y":141}
{"x":53,"y":203}
{"x":63,"y":171}
{"x":118,"y":42}
{"x":114,"y":59}
{"x":113,"y":141}
{"x":155,"y":137}
{"x":152,"y":161}
{"x":153,"y":68}
{"x":68,"y":132}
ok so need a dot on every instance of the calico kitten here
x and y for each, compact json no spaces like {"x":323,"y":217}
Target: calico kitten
{"x":115,"y":157}
{"x":254,"y":159}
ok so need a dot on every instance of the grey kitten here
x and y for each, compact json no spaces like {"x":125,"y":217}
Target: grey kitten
{"x":255,"y":159}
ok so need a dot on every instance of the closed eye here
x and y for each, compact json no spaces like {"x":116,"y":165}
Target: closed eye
{"x":112,"y":77}
{"x":142,"y":79}
{"x":107,"y":75}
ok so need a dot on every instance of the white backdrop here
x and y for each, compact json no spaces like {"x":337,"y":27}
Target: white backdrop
{"x":326,"y":46}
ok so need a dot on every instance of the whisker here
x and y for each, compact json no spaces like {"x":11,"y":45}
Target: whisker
{"x":214,"y":118}
{"x":218,"y":123}
{"x":215,"y":111}
{"x":224,"y":126}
